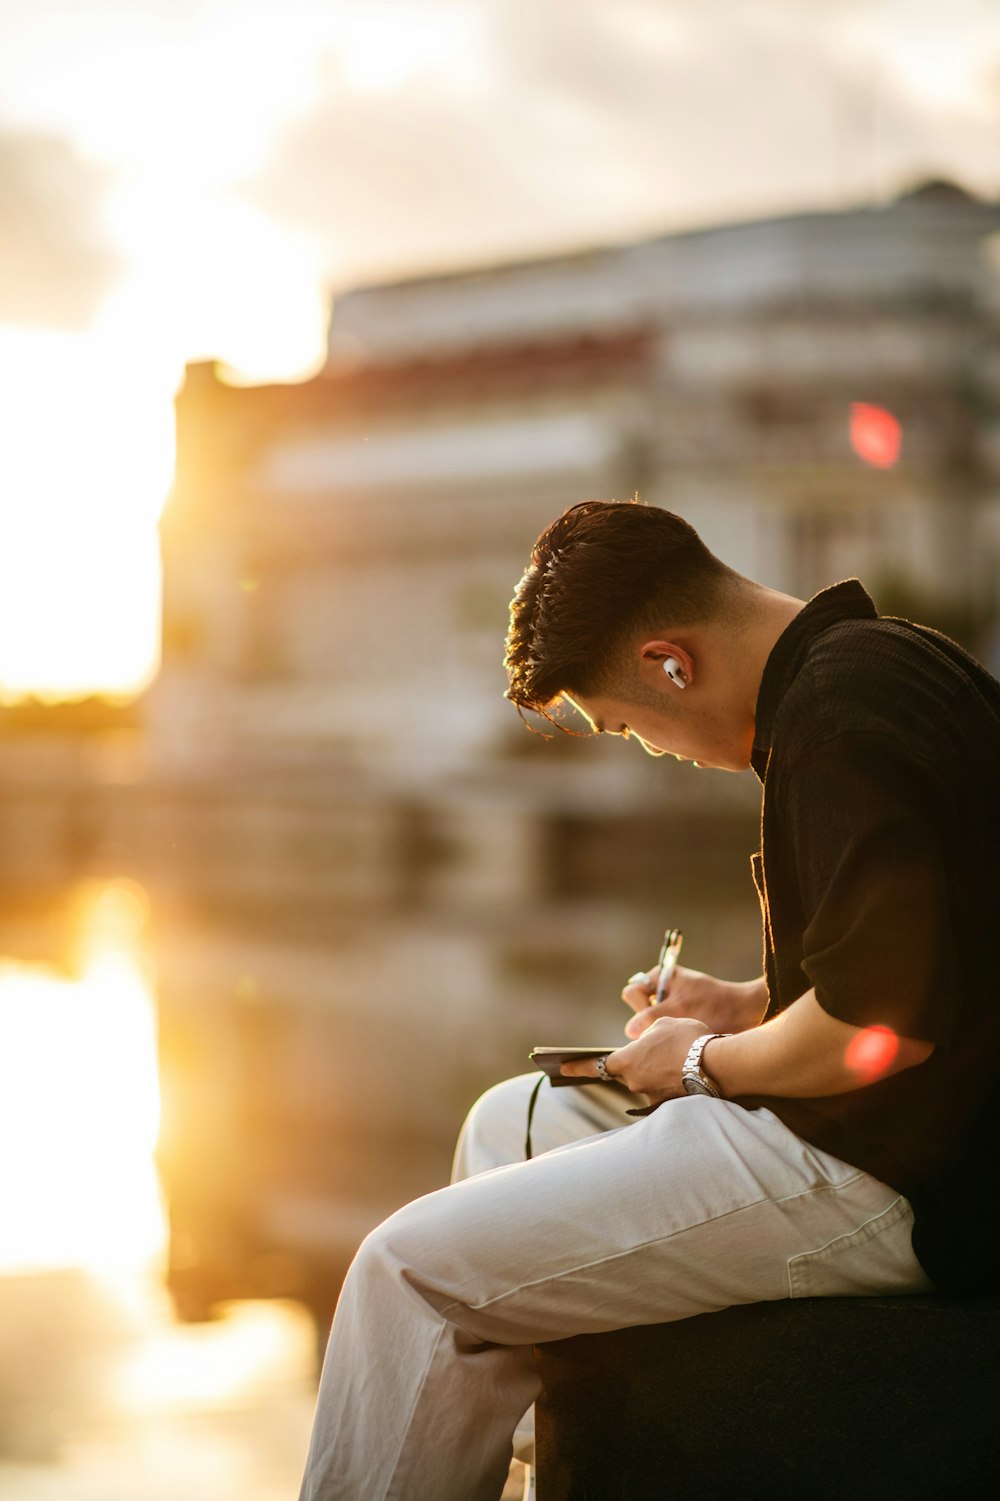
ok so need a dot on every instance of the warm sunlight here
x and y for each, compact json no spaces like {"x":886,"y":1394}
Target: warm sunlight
{"x":243,"y":290}
{"x":235,"y":163}
{"x":221,"y":1361}
{"x":382,"y":47}
{"x":84,"y":468}
{"x":79,"y":1103}
{"x":87,"y":458}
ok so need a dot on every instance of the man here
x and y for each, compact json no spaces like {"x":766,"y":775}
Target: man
{"x":837,"y":1131}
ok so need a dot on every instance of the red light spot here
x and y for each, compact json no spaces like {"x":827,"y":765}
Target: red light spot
{"x":872,"y":1052}
{"x":876,"y":436}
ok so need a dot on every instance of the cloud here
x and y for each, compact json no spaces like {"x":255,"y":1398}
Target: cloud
{"x":55,"y":265}
{"x":600,"y":120}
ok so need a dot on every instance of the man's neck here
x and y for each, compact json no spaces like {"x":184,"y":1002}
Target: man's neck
{"x":773,"y":613}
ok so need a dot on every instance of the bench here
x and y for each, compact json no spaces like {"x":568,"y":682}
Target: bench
{"x":820,"y":1399}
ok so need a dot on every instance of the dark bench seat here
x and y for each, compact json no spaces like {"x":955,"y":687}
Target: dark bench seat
{"x":820,"y":1399}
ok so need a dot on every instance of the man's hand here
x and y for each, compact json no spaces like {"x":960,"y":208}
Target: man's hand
{"x":803,"y":1053}
{"x":724,"y":1005}
{"x":652,"y":1064}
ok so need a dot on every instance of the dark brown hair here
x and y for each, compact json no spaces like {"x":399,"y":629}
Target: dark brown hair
{"x":601,"y":571}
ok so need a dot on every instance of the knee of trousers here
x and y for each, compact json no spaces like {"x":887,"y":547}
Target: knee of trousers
{"x":408,"y":1251}
{"x":493,"y":1131}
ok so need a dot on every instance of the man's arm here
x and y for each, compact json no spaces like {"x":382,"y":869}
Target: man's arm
{"x":804,"y":1052}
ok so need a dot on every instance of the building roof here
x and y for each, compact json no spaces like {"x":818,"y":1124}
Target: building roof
{"x":925,"y":243}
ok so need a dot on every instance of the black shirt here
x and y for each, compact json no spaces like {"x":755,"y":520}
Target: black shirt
{"x":878,"y":746}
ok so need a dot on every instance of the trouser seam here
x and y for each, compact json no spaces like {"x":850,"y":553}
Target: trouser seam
{"x":642,"y":1245}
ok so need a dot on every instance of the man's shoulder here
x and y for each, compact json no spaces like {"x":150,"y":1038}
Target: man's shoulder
{"x":888,"y":678}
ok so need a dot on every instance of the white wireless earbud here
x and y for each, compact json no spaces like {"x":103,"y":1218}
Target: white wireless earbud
{"x":675,"y":672}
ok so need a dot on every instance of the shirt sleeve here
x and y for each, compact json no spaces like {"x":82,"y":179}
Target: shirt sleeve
{"x":878,"y":947}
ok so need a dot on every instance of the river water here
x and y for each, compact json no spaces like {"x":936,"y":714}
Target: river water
{"x":103,"y":1395}
{"x":106,"y":1398}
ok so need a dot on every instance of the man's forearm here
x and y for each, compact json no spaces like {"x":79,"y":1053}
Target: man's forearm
{"x":757,"y":999}
{"x":806,"y":1052}
{"x":803,"y":1052}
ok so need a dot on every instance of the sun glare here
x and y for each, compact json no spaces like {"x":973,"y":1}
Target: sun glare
{"x":223,"y":1361}
{"x":85,"y":466}
{"x":79,"y":1104}
{"x":241,"y":289}
{"x":88,"y":452}
{"x":383,"y":47}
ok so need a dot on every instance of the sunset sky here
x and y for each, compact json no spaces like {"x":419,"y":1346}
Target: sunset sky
{"x":183,"y":179}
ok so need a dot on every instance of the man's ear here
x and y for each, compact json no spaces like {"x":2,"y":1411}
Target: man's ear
{"x":669,"y":659}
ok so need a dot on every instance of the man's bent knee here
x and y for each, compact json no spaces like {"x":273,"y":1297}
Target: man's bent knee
{"x":494,"y":1129}
{"x":413,"y":1247}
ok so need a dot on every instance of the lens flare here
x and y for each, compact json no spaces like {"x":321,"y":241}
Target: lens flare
{"x":872,"y":1053}
{"x":876,"y":435}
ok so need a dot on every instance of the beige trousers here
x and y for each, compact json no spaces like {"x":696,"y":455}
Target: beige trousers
{"x":699,"y":1206}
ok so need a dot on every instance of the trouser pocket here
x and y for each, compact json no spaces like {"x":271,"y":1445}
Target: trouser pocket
{"x":876,"y":1257}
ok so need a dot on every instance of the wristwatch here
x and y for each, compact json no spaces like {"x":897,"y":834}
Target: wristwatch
{"x":693,"y":1076}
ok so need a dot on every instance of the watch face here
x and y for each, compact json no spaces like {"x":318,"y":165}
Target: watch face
{"x":693,"y":1085}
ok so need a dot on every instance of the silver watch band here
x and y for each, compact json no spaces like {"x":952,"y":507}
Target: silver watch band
{"x":693,"y":1076}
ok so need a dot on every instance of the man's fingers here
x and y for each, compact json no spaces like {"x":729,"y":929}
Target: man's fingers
{"x":643,"y":1020}
{"x":586,"y":1068}
{"x":639,"y":988}
{"x":636,"y":1025}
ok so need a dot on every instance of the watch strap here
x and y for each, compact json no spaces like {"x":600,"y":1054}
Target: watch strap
{"x":693,"y":1075}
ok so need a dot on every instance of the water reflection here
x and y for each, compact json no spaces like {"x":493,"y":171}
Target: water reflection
{"x":79,"y":1109}
{"x":103,"y":1396}
{"x":101,"y":1405}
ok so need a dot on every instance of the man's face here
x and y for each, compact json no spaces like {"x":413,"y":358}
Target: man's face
{"x":686,"y":734}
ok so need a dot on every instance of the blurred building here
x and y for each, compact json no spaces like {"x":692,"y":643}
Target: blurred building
{"x":339,"y":554}
{"x":373,"y":889}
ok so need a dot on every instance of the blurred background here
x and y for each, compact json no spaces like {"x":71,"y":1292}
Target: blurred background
{"x":312,"y":314}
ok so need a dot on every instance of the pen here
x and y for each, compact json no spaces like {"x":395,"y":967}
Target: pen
{"x":673,"y":938}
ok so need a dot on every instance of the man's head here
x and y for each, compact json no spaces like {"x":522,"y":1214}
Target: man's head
{"x":614,"y":592}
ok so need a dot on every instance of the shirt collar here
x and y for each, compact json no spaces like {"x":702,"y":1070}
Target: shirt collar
{"x":846,"y":601}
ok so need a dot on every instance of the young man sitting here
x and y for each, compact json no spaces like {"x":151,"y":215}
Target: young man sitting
{"x":829,"y":1129}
